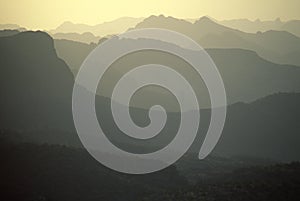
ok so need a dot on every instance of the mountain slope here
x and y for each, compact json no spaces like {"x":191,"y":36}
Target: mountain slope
{"x":266,"y":128}
{"x":72,"y":52}
{"x":35,"y":84}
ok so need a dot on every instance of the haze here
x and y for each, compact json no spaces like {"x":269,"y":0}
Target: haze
{"x":36,"y":14}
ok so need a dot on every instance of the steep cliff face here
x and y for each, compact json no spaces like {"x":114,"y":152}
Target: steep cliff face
{"x":35,"y":85}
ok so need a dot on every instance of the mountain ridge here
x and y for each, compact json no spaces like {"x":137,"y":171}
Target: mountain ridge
{"x":276,"y":46}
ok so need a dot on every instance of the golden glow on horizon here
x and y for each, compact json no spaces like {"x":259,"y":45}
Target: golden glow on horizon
{"x":48,"y":14}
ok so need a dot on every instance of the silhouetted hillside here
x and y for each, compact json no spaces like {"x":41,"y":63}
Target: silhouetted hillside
{"x":50,"y":172}
{"x":107,"y":28}
{"x":8,"y":32}
{"x":35,"y":84}
{"x":267,"y":128}
{"x":73,"y":53}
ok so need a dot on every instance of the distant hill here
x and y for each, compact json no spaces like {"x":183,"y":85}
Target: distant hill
{"x":107,"y":28}
{"x":169,"y":22}
{"x":292,"y":26}
{"x":11,"y":27}
{"x":249,"y":26}
{"x":265,"y":128}
{"x":35,"y":84}
{"x":276,"y":46}
{"x":196,"y":30}
{"x":72,"y":52}
{"x":86,"y":37}
{"x":253,"y":26}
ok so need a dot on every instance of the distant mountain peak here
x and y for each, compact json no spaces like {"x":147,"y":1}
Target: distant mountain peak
{"x":154,"y":17}
{"x":205,"y":20}
{"x":161,"y":17}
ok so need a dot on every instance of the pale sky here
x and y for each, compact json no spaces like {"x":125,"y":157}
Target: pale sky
{"x":46,"y":14}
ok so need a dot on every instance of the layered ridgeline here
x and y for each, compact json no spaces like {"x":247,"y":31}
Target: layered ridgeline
{"x":292,"y":26}
{"x":11,"y":27}
{"x":277,"y":46}
{"x":36,"y":89}
{"x":246,"y":75}
{"x":86,"y":37}
{"x":107,"y":28}
{"x":274,"y":40}
{"x":122,"y":24}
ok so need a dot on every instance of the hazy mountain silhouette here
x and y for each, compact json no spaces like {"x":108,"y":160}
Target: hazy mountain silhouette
{"x":169,"y":22}
{"x":86,"y":37}
{"x":292,"y":26}
{"x":36,"y":89}
{"x":73,"y":53}
{"x":277,"y":46}
{"x":246,"y":75}
{"x":35,"y":84}
{"x":11,"y":27}
{"x":196,"y":30}
{"x":258,"y":25}
{"x":253,"y":26}
{"x":266,"y":128}
{"x":107,"y":28}
{"x":35,"y":116}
